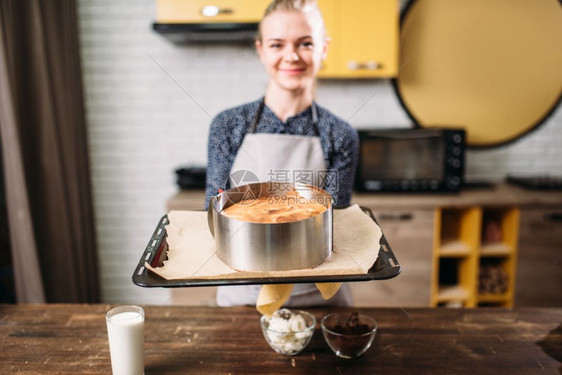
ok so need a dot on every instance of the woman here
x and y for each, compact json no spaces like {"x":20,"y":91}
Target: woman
{"x":285,"y":132}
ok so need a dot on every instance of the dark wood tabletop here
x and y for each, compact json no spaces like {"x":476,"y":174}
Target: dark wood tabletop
{"x":72,"y":339}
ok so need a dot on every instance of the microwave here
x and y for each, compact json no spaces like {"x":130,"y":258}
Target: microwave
{"x":411,"y":160}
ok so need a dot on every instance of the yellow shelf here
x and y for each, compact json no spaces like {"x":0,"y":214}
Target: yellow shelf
{"x":495,"y":249}
{"x":454,"y":249}
{"x":452,"y":293}
{"x":503,"y":297}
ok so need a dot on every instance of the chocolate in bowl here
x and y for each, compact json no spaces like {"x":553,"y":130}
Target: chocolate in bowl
{"x":349,"y":335}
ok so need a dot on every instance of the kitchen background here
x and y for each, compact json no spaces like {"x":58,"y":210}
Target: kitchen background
{"x":149,"y":104}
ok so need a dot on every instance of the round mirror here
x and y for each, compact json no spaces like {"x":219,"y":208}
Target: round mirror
{"x":493,"y":68}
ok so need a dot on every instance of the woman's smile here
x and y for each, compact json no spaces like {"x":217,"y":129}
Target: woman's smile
{"x":292,"y":71}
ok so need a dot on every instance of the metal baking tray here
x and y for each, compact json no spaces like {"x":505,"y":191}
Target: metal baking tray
{"x":385,"y":267}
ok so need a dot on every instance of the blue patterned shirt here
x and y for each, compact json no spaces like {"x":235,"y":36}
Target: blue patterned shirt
{"x":339,"y":140}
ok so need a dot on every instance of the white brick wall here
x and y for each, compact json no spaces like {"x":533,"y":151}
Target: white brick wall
{"x":142,"y":126}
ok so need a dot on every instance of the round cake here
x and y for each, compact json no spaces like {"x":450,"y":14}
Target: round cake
{"x":289,"y":207}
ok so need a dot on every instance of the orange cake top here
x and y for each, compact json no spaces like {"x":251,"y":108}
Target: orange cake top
{"x":275,"y":209}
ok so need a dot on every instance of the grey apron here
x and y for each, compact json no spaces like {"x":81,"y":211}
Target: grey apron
{"x":263,"y":154}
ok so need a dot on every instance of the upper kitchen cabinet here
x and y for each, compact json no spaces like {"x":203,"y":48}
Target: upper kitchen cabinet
{"x":363,"y":38}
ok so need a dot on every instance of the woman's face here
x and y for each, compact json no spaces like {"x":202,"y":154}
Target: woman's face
{"x":291,"y":49}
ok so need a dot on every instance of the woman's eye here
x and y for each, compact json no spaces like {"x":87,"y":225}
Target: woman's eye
{"x":307,"y":44}
{"x":275,"y":45}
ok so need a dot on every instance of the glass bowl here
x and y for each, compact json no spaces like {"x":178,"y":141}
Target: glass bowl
{"x":349,"y":335}
{"x":288,"y":332}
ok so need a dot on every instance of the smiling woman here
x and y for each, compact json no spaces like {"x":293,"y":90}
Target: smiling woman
{"x":285,"y":136}
{"x":291,"y":45}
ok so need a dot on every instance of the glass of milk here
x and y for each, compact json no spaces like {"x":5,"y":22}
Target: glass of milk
{"x":125,"y":330}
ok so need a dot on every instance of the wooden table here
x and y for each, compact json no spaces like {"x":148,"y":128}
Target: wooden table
{"x":72,"y":339}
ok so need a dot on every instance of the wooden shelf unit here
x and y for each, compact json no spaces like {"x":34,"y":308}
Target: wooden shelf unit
{"x":465,"y":238}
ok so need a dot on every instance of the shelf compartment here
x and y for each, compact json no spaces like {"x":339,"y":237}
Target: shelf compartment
{"x":494,"y":276}
{"x":454,"y":281}
{"x":458,"y":226}
{"x":456,"y":235}
{"x":499,"y":227}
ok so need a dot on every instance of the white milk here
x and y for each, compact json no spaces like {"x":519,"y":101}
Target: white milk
{"x":125,"y":329}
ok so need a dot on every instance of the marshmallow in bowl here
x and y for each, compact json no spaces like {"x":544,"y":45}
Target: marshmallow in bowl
{"x":287,"y":331}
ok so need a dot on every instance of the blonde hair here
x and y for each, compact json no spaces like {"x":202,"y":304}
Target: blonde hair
{"x":309,"y":7}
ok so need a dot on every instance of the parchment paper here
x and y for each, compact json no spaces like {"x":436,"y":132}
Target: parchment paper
{"x":191,"y":249}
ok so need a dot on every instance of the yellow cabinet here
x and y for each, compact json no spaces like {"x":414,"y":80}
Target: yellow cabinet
{"x":364,"y":38}
{"x":329,"y":9}
{"x":210,"y":11}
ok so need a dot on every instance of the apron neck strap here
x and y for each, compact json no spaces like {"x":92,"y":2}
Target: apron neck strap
{"x":260,"y":110}
{"x":257,"y":117}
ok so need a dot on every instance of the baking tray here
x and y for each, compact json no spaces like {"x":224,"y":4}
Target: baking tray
{"x":385,"y":267}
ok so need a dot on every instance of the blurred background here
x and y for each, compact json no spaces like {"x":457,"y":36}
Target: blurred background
{"x":148,"y":103}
